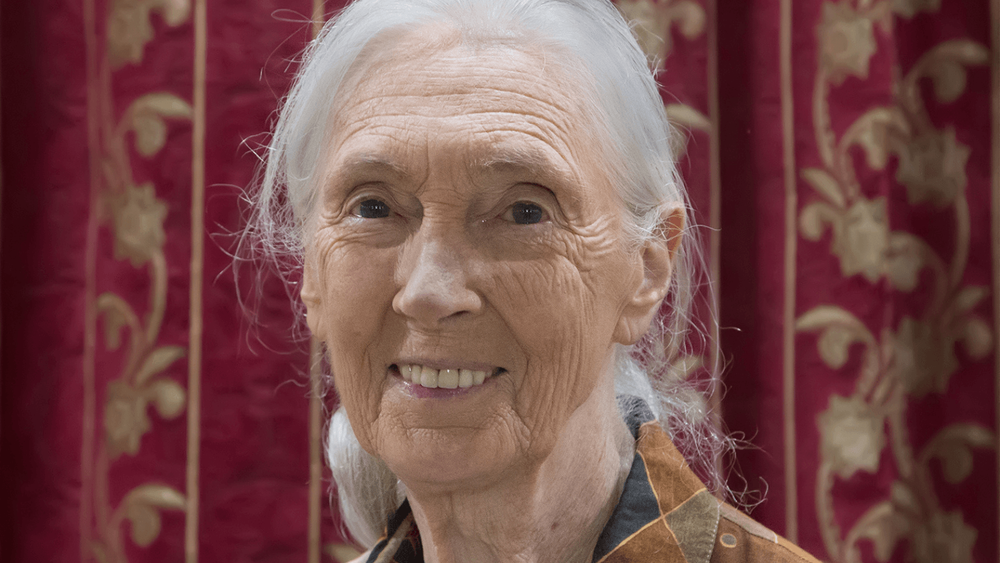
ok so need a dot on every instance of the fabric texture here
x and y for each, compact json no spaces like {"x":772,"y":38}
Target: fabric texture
{"x":664,"y":514}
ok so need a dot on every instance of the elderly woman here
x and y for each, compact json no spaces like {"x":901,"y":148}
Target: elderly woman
{"x":489,"y":219}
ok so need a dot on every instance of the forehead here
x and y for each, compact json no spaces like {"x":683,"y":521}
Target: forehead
{"x":497,"y":103}
{"x":436,"y":61}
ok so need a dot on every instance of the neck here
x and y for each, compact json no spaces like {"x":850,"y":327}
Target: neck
{"x":553,"y":512}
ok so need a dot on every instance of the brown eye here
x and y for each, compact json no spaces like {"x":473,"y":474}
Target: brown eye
{"x":372,"y":209}
{"x":525,"y":213}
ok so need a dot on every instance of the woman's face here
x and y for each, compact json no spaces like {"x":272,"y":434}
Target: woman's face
{"x":467,"y":237}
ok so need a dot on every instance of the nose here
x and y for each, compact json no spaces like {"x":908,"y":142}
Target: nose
{"x":435,"y":281}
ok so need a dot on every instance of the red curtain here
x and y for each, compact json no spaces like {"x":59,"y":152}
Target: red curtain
{"x":843,"y":156}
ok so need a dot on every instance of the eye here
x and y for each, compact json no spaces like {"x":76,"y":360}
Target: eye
{"x":524,"y":213}
{"x":372,"y":209}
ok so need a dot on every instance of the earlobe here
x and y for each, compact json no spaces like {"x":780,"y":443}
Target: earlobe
{"x":657,"y":260}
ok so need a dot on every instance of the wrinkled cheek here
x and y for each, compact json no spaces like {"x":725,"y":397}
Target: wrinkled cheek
{"x":356,"y":298}
{"x":551,"y":313}
{"x":360,"y":395}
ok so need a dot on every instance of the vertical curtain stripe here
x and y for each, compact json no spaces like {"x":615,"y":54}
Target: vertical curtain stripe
{"x":788,"y":323}
{"x":90,"y":292}
{"x":995,"y":219}
{"x":715,"y":187}
{"x":197,"y":275}
{"x":318,"y":16}
{"x":715,"y":203}
{"x":315,"y":450}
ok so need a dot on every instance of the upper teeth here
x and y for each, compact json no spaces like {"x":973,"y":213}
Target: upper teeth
{"x":443,"y":378}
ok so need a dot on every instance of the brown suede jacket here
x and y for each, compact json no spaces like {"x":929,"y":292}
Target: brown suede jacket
{"x":664,"y":514}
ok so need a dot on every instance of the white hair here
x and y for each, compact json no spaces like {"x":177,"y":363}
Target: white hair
{"x":591,"y":39}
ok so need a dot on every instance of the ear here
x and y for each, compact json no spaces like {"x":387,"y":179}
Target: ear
{"x":657,"y":260}
{"x":310,"y":296}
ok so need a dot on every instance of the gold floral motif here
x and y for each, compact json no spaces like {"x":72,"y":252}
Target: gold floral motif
{"x":141,"y":507}
{"x":146,"y":117}
{"x":846,"y":41}
{"x":910,"y":8}
{"x":932,"y":167}
{"x":853,"y":435}
{"x":838,"y":330}
{"x":129,"y":28}
{"x":904,"y":260}
{"x":924,"y":357}
{"x":138,"y":217}
{"x":653,"y":19}
{"x":945,"y":65}
{"x":128,"y":32}
{"x":953,"y":446}
{"x":862,"y":239}
{"x":944,"y":538}
{"x":883,"y":526}
{"x":125,"y":418}
{"x":977,"y":338}
{"x":856,"y":430}
{"x":923,"y":352}
{"x":918,"y":357}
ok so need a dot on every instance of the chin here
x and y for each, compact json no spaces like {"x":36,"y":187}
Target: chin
{"x":447,"y":459}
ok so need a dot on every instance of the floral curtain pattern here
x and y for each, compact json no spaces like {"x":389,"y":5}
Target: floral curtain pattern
{"x":902,"y":366}
{"x":136,"y":220}
{"x":841,"y":158}
{"x":912,"y":352}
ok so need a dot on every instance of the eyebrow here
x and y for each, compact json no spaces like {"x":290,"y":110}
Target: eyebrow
{"x":529,"y":164}
{"x":501,"y":159}
{"x":517,"y":161}
{"x":370,"y":164}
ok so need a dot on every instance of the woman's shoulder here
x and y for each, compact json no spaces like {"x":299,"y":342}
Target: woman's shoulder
{"x":741,"y":539}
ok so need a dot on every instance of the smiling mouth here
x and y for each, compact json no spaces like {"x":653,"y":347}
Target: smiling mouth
{"x":444,"y":378}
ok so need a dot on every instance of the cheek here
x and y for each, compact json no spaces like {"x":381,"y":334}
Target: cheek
{"x":562,"y":318}
{"x":357,"y":295}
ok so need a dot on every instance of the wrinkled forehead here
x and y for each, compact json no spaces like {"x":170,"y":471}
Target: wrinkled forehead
{"x":454,"y":63}
{"x":494,"y":104}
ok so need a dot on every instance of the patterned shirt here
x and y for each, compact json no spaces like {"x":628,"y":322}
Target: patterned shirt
{"x":664,"y":514}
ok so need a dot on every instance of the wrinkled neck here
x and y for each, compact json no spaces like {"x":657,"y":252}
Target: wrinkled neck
{"x":553,"y":512}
